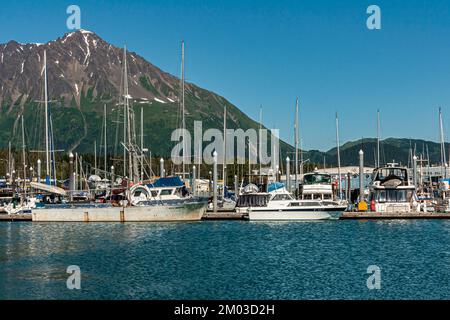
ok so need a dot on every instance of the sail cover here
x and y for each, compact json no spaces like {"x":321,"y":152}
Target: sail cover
{"x":48,"y":188}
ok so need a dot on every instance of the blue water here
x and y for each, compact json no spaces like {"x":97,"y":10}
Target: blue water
{"x":226,"y":260}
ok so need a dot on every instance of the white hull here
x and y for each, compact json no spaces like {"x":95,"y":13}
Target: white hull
{"x":186,"y":212}
{"x":287,"y":215}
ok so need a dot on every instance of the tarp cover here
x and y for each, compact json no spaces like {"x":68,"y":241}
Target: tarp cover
{"x":167,"y":182}
{"x":275,"y":186}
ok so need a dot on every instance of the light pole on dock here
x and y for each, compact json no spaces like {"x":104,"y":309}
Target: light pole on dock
{"x":361,"y":175}
{"x":194,"y":175}
{"x":215,"y":182}
{"x":71,"y":177}
{"x":161,"y":168}
{"x":39,"y":163}
{"x":288,"y":174}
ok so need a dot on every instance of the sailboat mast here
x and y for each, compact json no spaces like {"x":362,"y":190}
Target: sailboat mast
{"x":95,"y":157}
{"x":24,"y":161}
{"x":428,"y":169}
{"x":9,"y":159}
{"x":296,"y":144}
{"x":224,"y":148}
{"x":105,"y":160}
{"x":124,"y":114}
{"x":260,"y":143}
{"x":128,"y":117}
{"x":338,"y":156}
{"x":378,"y":138}
{"x":443,"y":157}
{"x":47,"y":153}
{"x":183,"y":106}
{"x":142,"y":143}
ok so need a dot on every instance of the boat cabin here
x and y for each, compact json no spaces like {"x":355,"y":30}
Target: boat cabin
{"x":316,"y":186}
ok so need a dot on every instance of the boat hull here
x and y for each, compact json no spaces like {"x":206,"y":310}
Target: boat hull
{"x":268,"y":215}
{"x":186,"y":212}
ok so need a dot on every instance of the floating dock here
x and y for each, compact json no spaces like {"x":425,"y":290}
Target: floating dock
{"x":392,"y":215}
{"x":15,"y":217}
{"x":223,"y":216}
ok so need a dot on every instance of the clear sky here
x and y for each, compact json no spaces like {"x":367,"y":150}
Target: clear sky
{"x":268,"y":52}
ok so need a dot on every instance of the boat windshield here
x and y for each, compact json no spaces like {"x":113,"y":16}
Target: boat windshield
{"x":386,"y":173}
{"x":316,"y":178}
{"x":282,"y":197}
{"x":392,"y":195}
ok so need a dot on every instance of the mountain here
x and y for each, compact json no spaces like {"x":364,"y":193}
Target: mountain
{"x":84,"y":73}
{"x":391,"y":149}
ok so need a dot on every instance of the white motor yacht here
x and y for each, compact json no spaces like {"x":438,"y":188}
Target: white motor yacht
{"x":279,"y":204}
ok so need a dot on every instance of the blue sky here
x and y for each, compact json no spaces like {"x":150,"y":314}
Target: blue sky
{"x":268,"y":52}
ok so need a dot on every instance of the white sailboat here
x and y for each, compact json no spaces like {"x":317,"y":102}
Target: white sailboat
{"x":138,"y":206}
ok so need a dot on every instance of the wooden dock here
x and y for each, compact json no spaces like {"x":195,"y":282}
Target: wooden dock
{"x":392,"y":216}
{"x":15,"y":217}
{"x":223,"y":216}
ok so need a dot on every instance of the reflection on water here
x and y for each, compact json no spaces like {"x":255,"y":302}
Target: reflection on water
{"x":226,"y":260}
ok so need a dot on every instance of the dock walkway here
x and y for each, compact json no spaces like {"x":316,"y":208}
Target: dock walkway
{"x":223,"y":216}
{"x":15,"y":217}
{"x":391,"y":216}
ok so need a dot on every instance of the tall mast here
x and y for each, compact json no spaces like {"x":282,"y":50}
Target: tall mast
{"x":52,"y":153}
{"x":128,"y":117}
{"x":95,"y":157}
{"x":224,"y":147}
{"x":10,"y":165}
{"x":124,"y":114}
{"x":296,"y":144}
{"x":24,"y":162}
{"x":338,"y":156}
{"x":378,"y":138}
{"x":183,"y":124}
{"x":443,"y":158}
{"x":260,"y":143}
{"x":47,"y":152}
{"x":142,"y":143}
{"x":105,"y":160}
{"x":428,"y":169}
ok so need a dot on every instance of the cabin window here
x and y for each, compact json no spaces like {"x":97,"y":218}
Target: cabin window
{"x":166,"y":192}
{"x":317,"y":178}
{"x":154,"y":193}
{"x":281,"y":197}
{"x":391,"y":173}
{"x":393,"y":195}
{"x":311,"y":204}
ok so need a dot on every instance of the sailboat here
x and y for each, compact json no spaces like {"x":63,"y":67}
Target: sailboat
{"x":138,"y":204}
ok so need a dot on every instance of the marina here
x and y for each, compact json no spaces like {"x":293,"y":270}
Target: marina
{"x":224,"y":151}
{"x":129,"y":185}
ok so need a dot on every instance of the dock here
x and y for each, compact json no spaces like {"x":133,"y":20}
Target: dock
{"x":15,"y":217}
{"x":223,"y":216}
{"x":393,"y":215}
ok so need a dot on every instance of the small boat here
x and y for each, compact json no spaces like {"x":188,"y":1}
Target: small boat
{"x":392,"y":192}
{"x":280,"y":205}
{"x":318,"y":186}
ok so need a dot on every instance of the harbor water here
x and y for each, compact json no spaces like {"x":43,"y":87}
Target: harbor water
{"x":226,"y":260}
